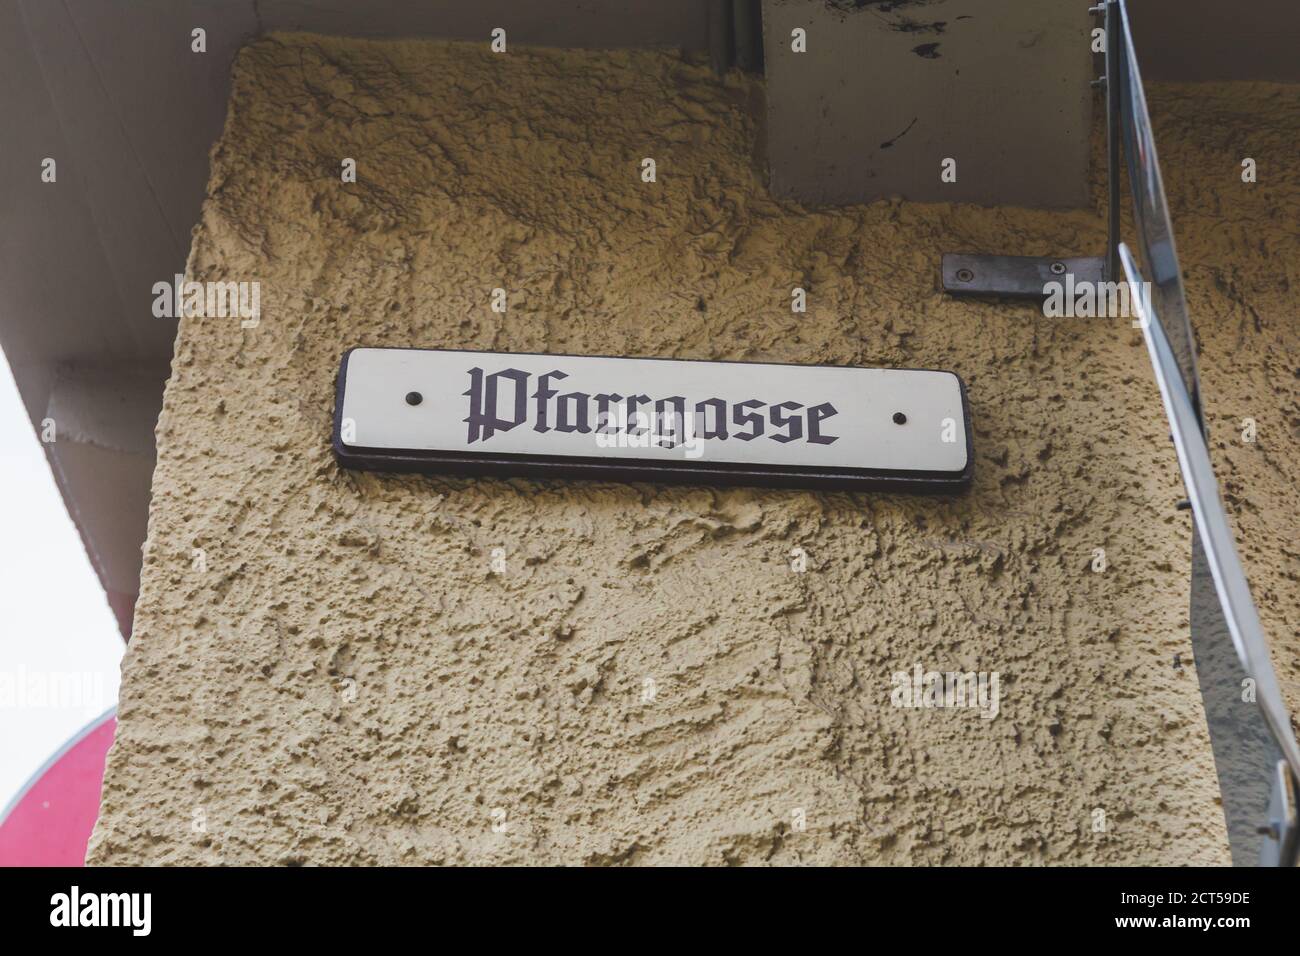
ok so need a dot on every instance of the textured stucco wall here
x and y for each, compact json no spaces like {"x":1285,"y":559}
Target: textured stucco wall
{"x":348,"y":682}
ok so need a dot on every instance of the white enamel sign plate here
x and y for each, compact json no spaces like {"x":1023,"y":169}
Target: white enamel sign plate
{"x":626,"y":419}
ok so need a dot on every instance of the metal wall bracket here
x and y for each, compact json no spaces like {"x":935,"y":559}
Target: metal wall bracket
{"x":1281,"y":844}
{"x":1015,"y":276}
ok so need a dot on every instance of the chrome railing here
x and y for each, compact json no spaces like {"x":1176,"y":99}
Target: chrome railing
{"x":1256,"y":755}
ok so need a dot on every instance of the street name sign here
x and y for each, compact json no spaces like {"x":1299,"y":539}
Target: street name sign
{"x":663,"y":420}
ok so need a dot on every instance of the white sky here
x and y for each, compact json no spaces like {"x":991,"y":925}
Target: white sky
{"x":58,"y":637}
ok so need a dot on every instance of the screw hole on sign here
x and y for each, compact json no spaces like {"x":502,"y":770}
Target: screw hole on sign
{"x":1058,"y":268}
{"x":965,"y":275}
{"x":900,"y":418}
{"x":414,"y":398}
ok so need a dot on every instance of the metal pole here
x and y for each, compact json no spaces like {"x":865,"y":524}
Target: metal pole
{"x":1113,"y":84}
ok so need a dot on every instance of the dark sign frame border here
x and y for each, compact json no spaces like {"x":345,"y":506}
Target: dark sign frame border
{"x":595,"y":468}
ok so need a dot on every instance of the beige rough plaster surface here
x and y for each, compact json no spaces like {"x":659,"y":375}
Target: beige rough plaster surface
{"x":239,"y":738}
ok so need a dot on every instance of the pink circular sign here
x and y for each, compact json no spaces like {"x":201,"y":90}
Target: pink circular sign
{"x":49,"y":822}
